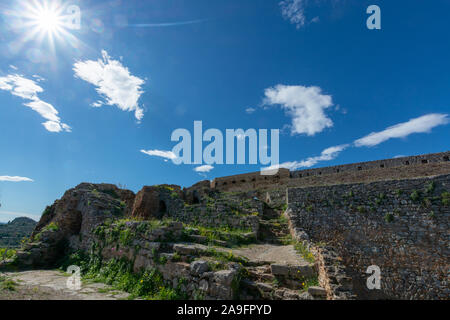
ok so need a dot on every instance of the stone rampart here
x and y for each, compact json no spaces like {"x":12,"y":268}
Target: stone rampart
{"x":402,"y":226}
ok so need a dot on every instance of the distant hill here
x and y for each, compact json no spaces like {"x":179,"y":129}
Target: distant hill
{"x":14,"y":231}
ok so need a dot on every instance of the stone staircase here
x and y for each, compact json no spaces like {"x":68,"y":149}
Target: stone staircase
{"x":273,"y":268}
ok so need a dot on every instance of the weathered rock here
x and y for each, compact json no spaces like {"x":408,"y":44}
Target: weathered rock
{"x":77,"y":213}
{"x":280,"y":270}
{"x":189,"y":249}
{"x":156,"y":201}
{"x":198,"y":267}
{"x":317,"y":291}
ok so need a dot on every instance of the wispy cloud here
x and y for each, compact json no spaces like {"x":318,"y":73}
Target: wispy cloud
{"x":305,"y":105}
{"x":294,"y":12}
{"x":423,"y":124}
{"x":204,"y":168}
{"x":15,"y":179}
{"x":328,"y":154}
{"x":114,"y":82}
{"x":28,"y":89}
{"x":160,"y":153}
{"x":250,"y":110}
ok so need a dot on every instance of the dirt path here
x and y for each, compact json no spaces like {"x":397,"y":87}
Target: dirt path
{"x":52,"y":285}
{"x":271,"y":253}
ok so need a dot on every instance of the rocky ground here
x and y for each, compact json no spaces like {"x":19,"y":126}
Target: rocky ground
{"x":51,"y":285}
{"x":220,"y":246}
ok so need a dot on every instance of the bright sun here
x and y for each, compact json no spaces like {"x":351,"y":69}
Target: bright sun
{"x":51,"y":21}
{"x":48,"y":20}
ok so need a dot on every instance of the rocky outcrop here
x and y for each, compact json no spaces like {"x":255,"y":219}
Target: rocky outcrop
{"x":156,"y":201}
{"x":72,"y":218}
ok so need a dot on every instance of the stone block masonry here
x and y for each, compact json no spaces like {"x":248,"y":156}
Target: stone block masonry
{"x":402,"y":226}
{"x":388,"y":169}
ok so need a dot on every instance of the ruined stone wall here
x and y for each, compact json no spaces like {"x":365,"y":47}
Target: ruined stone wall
{"x":371,"y":175}
{"x":402,"y":226}
{"x":251,"y":181}
{"x":397,"y":168}
{"x":404,"y":162}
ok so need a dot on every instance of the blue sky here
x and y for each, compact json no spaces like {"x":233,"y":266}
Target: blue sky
{"x":83,"y":106}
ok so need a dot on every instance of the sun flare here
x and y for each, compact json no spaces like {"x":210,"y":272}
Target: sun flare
{"x":48,"y":20}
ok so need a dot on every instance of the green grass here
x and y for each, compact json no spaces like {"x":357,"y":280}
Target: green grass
{"x":304,"y":252}
{"x":118,"y":273}
{"x":225,"y":257}
{"x":7,"y":284}
{"x":445,"y":196}
{"x":415,"y":195}
{"x":309,"y":282}
{"x":6,"y":254}
{"x":232,"y":236}
{"x":389,"y":217}
{"x":429,"y":188}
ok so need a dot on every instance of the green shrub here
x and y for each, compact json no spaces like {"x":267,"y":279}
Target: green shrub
{"x":361,"y":209}
{"x":309,"y":282}
{"x":389,"y":217}
{"x":112,"y":193}
{"x":429,"y":188}
{"x":52,"y":226}
{"x":415,"y":195}
{"x":6,"y":254}
{"x":445,"y":198}
{"x":7,"y":284}
{"x":304,"y":252}
{"x":147,"y":284}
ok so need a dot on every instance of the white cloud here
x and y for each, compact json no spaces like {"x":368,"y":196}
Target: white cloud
{"x":97,"y":104}
{"x":15,"y":179}
{"x":305,"y":105}
{"x":294,"y":12}
{"x":28,"y":89}
{"x":250,"y":110}
{"x":422,"y":124}
{"x":326,"y":155}
{"x":160,"y":153}
{"x":204,"y":168}
{"x":114,"y":82}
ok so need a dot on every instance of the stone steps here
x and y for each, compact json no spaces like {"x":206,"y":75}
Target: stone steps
{"x":268,"y":291}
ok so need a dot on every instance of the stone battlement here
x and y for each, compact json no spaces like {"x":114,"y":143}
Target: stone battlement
{"x":396,"y":168}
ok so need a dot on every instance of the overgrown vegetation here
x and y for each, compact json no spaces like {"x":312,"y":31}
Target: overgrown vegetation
{"x":147,"y":284}
{"x":232,"y":236}
{"x":445,"y":198}
{"x":7,"y":254}
{"x":415,"y":195}
{"x":309,"y":282}
{"x":7,"y":284}
{"x":304,"y":252}
{"x":51,"y":227}
{"x":389,"y":217}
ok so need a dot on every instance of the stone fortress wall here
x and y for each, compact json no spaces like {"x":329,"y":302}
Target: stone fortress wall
{"x":401,"y":226}
{"x":388,"y":169}
{"x":392,"y":213}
